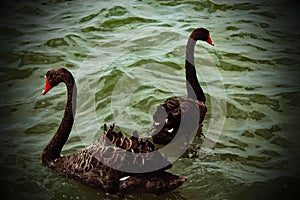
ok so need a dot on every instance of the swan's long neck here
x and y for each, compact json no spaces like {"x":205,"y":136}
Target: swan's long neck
{"x":194,"y":89}
{"x":55,"y":145}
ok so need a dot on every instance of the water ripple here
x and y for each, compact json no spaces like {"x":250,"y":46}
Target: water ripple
{"x":141,"y":45}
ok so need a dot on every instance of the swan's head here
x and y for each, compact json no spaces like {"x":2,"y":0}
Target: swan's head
{"x":53,"y":78}
{"x":202,"y":34}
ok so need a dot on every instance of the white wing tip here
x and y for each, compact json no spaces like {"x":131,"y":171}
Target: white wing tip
{"x":124,"y":178}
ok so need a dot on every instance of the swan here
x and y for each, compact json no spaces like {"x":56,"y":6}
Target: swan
{"x":90,"y":165}
{"x":178,"y":114}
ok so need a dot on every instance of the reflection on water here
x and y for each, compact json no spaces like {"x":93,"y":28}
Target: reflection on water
{"x":141,"y":44}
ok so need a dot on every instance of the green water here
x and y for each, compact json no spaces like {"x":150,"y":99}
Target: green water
{"x":127,"y":57}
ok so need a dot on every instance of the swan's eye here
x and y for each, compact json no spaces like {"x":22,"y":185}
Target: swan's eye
{"x":57,"y":76}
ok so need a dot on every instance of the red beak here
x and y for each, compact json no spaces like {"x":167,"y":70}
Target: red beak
{"x":47,"y":87}
{"x":209,"y":41}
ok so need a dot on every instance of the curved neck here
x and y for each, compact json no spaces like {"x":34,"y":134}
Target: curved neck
{"x":55,"y":145}
{"x":194,"y":89}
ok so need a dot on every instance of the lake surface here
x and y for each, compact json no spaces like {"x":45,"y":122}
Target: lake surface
{"x":129,"y":57}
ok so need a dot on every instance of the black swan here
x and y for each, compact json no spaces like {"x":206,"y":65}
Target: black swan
{"x":89,"y":165}
{"x":183,"y":115}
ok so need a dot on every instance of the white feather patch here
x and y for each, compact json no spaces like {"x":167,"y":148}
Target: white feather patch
{"x":156,"y":123}
{"x":171,"y":130}
{"x":124,"y":178}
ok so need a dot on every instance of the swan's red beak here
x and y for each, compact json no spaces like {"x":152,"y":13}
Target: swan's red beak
{"x":209,"y":41}
{"x":47,"y":87}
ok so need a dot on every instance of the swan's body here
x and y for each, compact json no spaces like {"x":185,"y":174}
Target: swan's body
{"x":183,"y":115}
{"x":89,"y":165}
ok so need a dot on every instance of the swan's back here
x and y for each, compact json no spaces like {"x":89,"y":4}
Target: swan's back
{"x":96,"y":165}
{"x":177,"y":113}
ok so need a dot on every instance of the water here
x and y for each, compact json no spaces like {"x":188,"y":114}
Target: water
{"x":253,"y":69}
